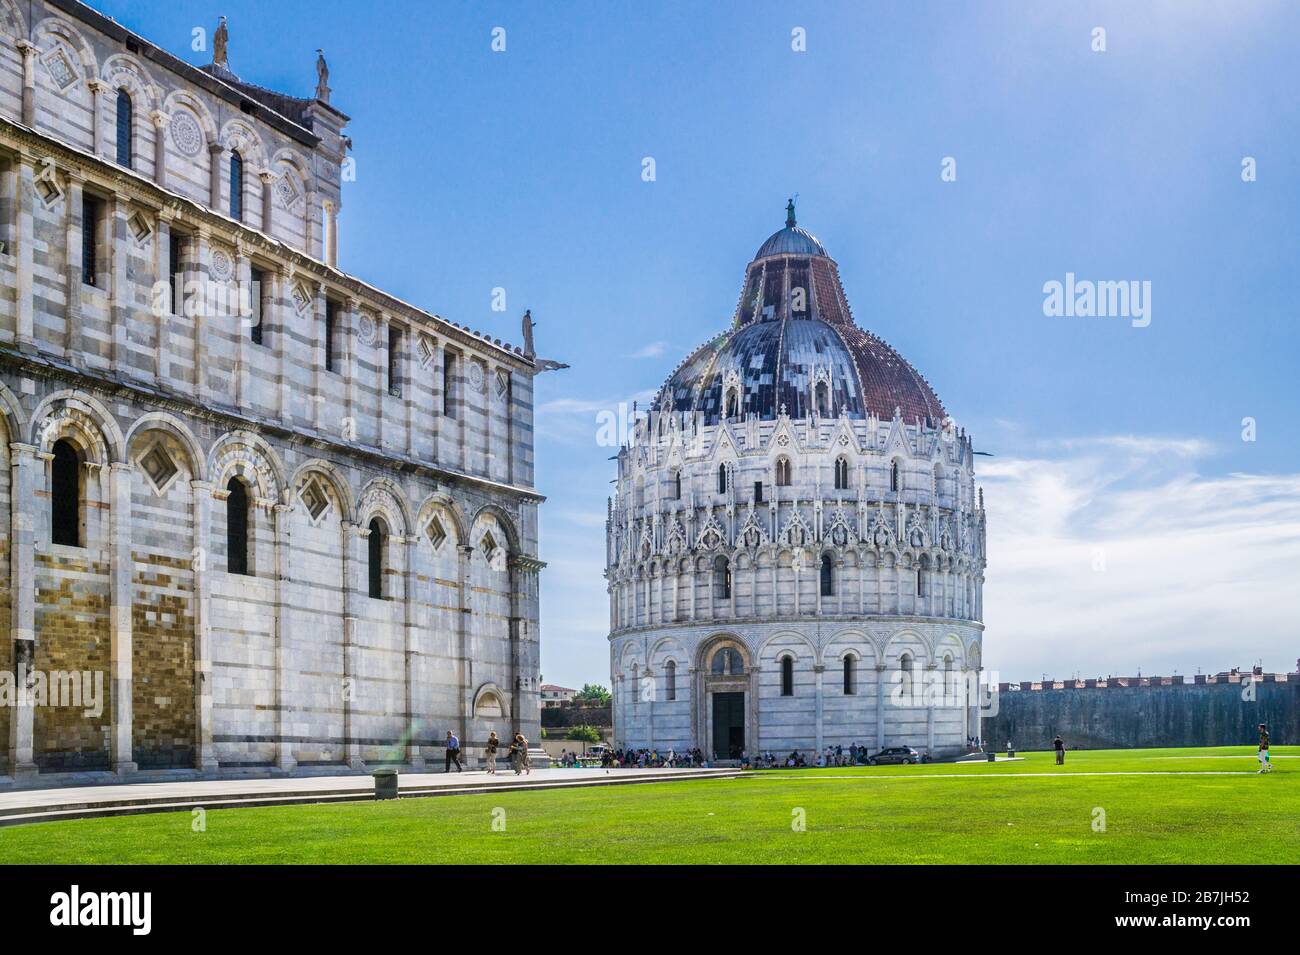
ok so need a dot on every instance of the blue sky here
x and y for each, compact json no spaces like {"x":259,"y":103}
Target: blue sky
{"x":522,"y":169}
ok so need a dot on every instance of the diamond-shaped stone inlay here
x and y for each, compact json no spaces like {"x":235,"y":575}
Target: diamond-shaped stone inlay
{"x":437,"y":533}
{"x":158,"y":467}
{"x":301,"y":297}
{"x":426,"y":351}
{"x":140,"y":227}
{"x":315,"y":500}
{"x":503,"y":384}
{"x":496,"y":557}
{"x":48,"y":190}
{"x":60,"y":68}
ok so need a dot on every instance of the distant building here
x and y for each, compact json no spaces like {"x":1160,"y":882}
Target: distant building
{"x":553,"y":695}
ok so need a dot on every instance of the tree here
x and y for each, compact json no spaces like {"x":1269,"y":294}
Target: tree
{"x":587,"y":734}
{"x":592,"y":693}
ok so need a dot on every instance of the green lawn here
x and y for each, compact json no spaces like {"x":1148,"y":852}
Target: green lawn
{"x":1200,"y":806}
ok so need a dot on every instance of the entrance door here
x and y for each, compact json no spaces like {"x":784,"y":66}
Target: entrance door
{"x":728,"y":724}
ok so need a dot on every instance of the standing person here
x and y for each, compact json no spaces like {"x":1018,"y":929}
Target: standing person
{"x":492,"y":745}
{"x":1058,"y":744}
{"x":1265,"y":764}
{"x":519,"y":751}
{"x":453,"y":753}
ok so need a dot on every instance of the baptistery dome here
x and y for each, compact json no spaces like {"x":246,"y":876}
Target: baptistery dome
{"x":796,"y":545}
{"x":793,"y":344}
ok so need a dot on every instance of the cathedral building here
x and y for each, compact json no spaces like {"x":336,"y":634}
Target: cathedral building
{"x":796,"y":549}
{"x":262,"y":516}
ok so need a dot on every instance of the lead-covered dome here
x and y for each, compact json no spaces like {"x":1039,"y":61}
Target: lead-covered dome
{"x":793,"y":345}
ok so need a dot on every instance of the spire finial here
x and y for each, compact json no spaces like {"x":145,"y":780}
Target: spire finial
{"x":789,"y":213}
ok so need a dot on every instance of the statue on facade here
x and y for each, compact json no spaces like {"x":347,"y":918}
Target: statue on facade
{"x":220,"y":41}
{"x":528,"y":332}
{"x":322,"y":77}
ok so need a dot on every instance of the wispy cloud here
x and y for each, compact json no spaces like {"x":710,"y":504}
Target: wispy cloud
{"x":652,"y":350}
{"x":1121,"y":555}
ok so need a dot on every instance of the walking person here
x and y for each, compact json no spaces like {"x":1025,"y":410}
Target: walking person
{"x":453,"y":753}
{"x":1265,"y":764}
{"x":1058,"y":744}
{"x":524,"y":762}
{"x":515,"y":763}
{"x":492,"y":745}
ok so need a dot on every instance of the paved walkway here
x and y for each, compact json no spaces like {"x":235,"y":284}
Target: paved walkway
{"x":80,"y":802}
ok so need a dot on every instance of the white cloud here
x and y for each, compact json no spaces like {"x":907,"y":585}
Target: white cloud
{"x":1198,"y":570}
{"x":652,"y":350}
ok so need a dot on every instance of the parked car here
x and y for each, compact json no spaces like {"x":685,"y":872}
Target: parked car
{"x":895,"y":754}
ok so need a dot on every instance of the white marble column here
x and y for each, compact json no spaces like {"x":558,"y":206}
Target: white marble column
{"x":160,"y":120}
{"x":22,"y":590}
{"x":350,"y":534}
{"x":24,"y":196}
{"x":414,"y":756}
{"x":283,"y":571}
{"x":205,"y":756}
{"x":880,"y":706}
{"x":28,"y":51}
{"x":120,"y":587}
{"x":819,"y":674}
{"x":464,"y":640}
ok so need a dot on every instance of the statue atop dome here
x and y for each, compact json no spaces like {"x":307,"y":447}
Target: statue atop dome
{"x":789,"y":213}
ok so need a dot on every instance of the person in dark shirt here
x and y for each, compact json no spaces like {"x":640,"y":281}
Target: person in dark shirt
{"x":1265,"y":765}
{"x":1058,"y":744}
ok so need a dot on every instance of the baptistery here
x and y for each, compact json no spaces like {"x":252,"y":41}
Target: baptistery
{"x":796,"y":545}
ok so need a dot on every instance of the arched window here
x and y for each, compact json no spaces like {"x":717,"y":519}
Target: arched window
{"x":841,"y":474}
{"x":670,"y":680}
{"x":65,"y":495}
{"x":783,"y":472}
{"x":237,"y":527}
{"x":787,"y":675}
{"x":733,"y":403}
{"x":236,"y":186}
{"x":722,"y":479}
{"x":677,"y":485}
{"x":895,"y":477}
{"x":828,"y":576}
{"x":376,"y":542}
{"x":905,"y":674}
{"x":721,"y":578}
{"x":728,"y":662}
{"x":937,"y":491}
{"x":125,"y":118}
{"x":850,"y":674}
{"x":920,"y":581}
{"x":949,"y":684}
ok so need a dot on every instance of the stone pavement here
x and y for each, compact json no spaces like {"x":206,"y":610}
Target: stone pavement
{"x":80,"y":802}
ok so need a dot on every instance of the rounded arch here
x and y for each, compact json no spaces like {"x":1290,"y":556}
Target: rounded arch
{"x":248,"y":455}
{"x":844,"y":642}
{"x":78,"y":414}
{"x":54,"y":30}
{"x":721,"y":641}
{"x":332,"y":477}
{"x":177,"y":429}
{"x":12,"y":23}
{"x":444,"y":506}
{"x":384,"y":497}
{"x":907,"y":642}
{"x":789,"y":640}
{"x":12,"y":417}
{"x":668,"y":648}
{"x":240,"y":136}
{"x":291,"y":173}
{"x":124,"y":71}
{"x":503,"y":520}
{"x":485,"y":697}
{"x":184,"y":99}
